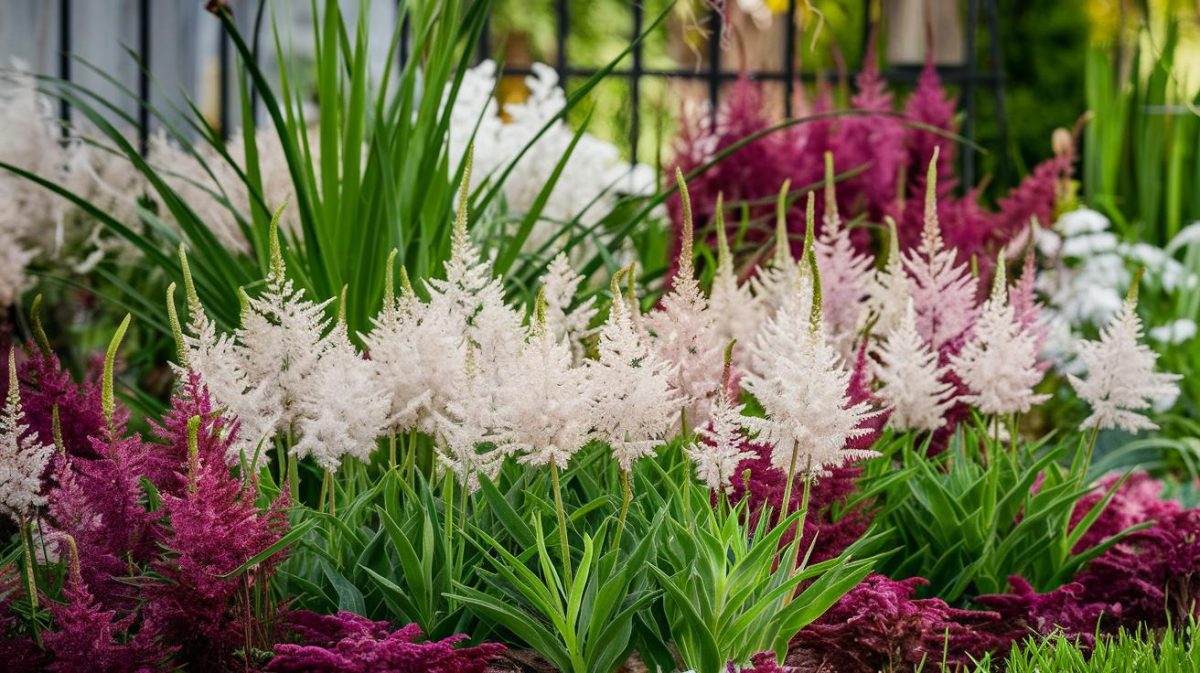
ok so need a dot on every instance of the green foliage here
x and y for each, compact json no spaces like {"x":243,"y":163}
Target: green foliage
{"x":727,"y":594}
{"x":1143,"y":651}
{"x":981,"y":511}
{"x":1142,"y":148}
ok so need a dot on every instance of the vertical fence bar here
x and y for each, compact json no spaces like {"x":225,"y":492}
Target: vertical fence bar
{"x":993,"y":22}
{"x":223,"y":68}
{"x":968,"y":92}
{"x":562,"y":27}
{"x":789,"y":58}
{"x":714,"y":61}
{"x":144,"y":76}
{"x":64,"y":59}
{"x":635,"y":81}
{"x":405,"y":35}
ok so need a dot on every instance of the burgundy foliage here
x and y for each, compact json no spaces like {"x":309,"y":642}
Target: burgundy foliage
{"x":878,"y":625}
{"x":348,"y":643}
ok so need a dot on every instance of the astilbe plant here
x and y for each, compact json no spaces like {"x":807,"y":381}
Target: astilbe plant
{"x":889,"y":152}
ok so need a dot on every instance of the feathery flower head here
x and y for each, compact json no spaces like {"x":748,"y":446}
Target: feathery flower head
{"x":782,"y":279}
{"x":547,"y":413}
{"x":999,"y":363}
{"x":914,"y":383}
{"x":682,"y":329}
{"x":735,"y":314}
{"x":801,"y":383}
{"x":844,"y":270}
{"x":23,"y":458}
{"x":722,"y":445}
{"x":1121,"y":382}
{"x":572,"y":325}
{"x":888,"y":289}
{"x":631,"y":385}
{"x":943,"y":292}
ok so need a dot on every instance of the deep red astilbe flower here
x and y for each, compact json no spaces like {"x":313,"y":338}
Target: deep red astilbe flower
{"x":195,"y":607}
{"x":763,"y":662}
{"x":80,"y":412}
{"x":930,"y":106}
{"x":1137,"y":500}
{"x":87,"y":638}
{"x":878,"y":625}
{"x":348,"y":643}
{"x":1035,"y":197}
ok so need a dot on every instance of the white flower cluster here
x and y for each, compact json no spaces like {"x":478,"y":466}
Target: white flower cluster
{"x":1086,"y":272}
{"x":592,"y":179}
{"x":23,"y":458}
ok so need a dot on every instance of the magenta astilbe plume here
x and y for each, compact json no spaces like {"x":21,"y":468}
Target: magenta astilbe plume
{"x":196,"y":605}
{"x":348,"y":643}
{"x":214,"y":433}
{"x":1033,"y":198}
{"x":79,"y":411}
{"x":930,"y":106}
{"x":878,"y":625}
{"x":87,"y":638}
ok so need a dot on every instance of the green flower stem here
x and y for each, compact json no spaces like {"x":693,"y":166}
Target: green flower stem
{"x":30,"y":579}
{"x":786,"y":505}
{"x":626,"y":498}
{"x":564,"y":545}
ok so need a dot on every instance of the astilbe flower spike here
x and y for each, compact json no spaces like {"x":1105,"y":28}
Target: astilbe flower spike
{"x":999,"y":363}
{"x":345,"y":408}
{"x":1121,"y":382}
{"x":547,"y":417}
{"x":88,"y":638}
{"x":23,"y":458}
{"x":567,"y":323}
{"x":682,"y":330}
{"x":782,"y":279}
{"x":282,"y":337}
{"x":942,"y":290}
{"x":221,"y":361}
{"x":914,"y":382}
{"x":631,"y":386}
{"x":197,"y":603}
{"x":722,"y":445}
{"x":801,"y":383}
{"x":888,"y":290}
{"x":348,"y":643}
{"x":735,"y":314}
{"x":844,"y":270}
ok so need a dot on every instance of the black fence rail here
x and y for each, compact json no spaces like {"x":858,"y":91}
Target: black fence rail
{"x":971,"y":78}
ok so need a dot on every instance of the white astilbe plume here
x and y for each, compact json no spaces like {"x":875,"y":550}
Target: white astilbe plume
{"x":560,"y":283}
{"x":776,"y":283}
{"x":731,"y":304}
{"x":470,"y":304}
{"x":217,"y":358}
{"x":888,"y":291}
{"x":419,"y":358}
{"x":914,"y":385}
{"x":22,"y":458}
{"x":682,"y":331}
{"x":282,"y":337}
{"x":801,"y":383}
{"x":845,"y":271}
{"x":344,"y":409}
{"x":547,"y":413}
{"x":999,"y":363}
{"x":1121,"y":381}
{"x":633,"y":403}
{"x":809,"y":417}
{"x":943,"y":292}
{"x":721,"y":442}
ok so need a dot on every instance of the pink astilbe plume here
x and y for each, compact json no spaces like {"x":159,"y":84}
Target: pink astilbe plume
{"x":845,"y":271}
{"x":348,"y":643}
{"x":88,"y":638}
{"x":1027,"y":309}
{"x":943,"y":290}
{"x":79,"y":410}
{"x":197,"y":607}
{"x":930,"y":106}
{"x":880,"y":626}
{"x":192,"y":400}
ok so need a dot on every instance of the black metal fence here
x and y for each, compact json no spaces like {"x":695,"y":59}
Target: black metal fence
{"x":971,"y":78}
